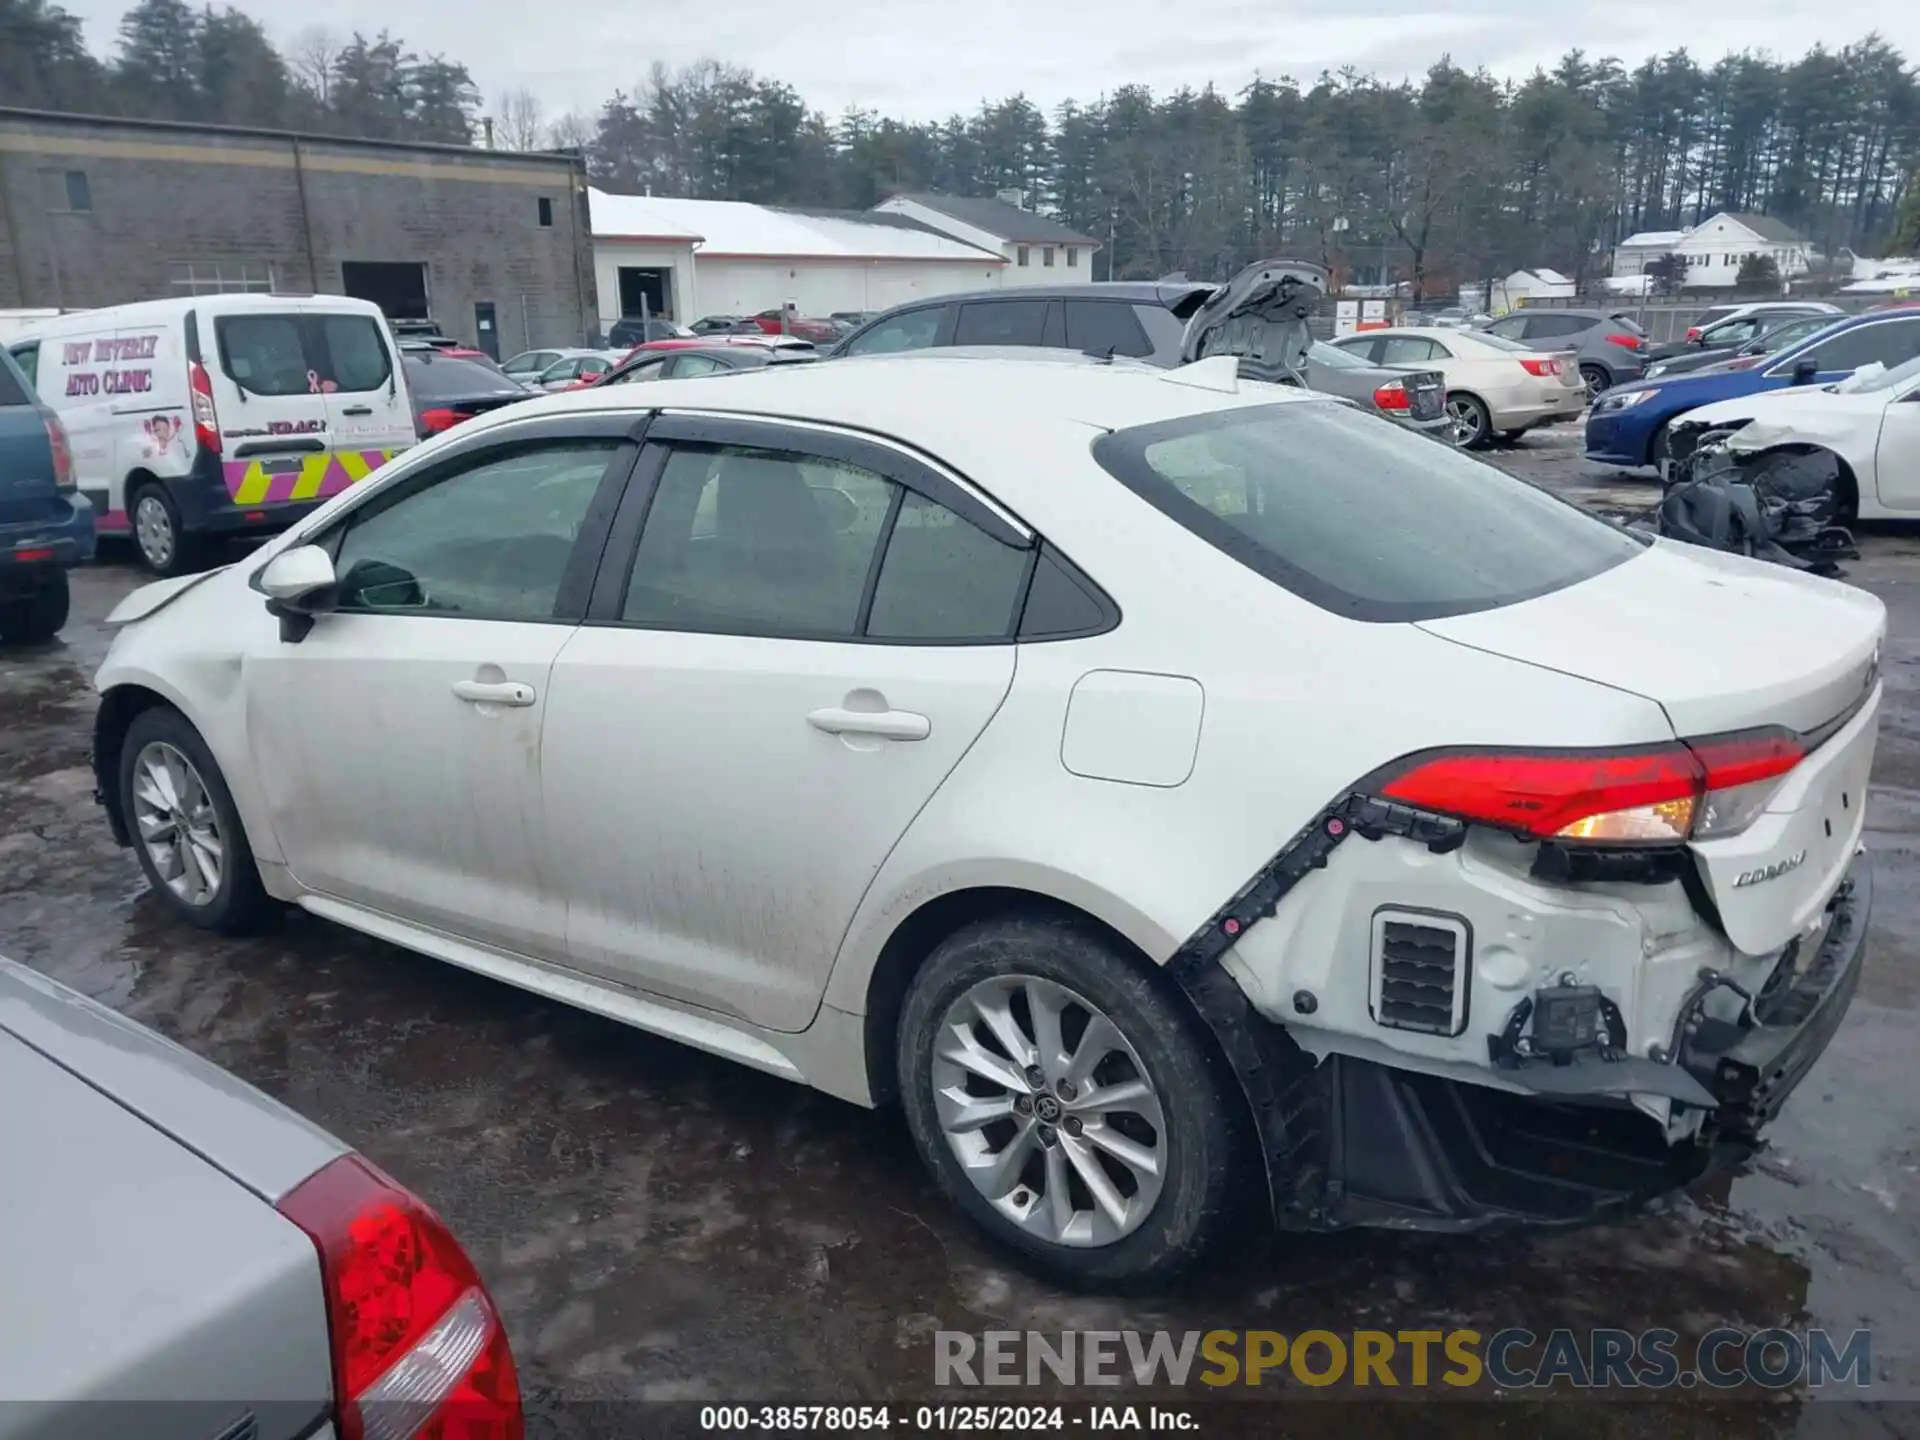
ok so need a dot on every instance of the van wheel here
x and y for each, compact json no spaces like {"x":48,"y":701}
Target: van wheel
{"x":1065,"y":1103}
{"x":156,"y":531}
{"x":37,"y":618}
{"x":186,"y":831}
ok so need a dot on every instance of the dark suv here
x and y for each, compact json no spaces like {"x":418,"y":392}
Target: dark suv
{"x":1141,"y":319}
{"x":46,"y":525}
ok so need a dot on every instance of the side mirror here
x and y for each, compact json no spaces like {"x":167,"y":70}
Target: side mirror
{"x":1805,"y":371}
{"x":299,"y":584}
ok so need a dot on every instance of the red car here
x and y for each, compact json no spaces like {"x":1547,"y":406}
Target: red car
{"x":784,"y":322}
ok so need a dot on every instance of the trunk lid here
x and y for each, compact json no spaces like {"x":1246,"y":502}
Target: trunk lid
{"x":1722,"y":643}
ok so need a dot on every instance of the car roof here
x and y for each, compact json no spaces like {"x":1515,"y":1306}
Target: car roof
{"x":1144,"y":292}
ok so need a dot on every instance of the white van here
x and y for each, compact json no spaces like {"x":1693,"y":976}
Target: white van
{"x":217,"y":414}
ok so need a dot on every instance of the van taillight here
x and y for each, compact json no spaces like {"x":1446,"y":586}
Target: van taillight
{"x":206,"y":425}
{"x":418,"y":1349}
{"x":62,"y":454}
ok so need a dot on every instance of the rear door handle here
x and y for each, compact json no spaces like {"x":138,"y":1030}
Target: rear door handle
{"x":887,"y":724}
{"x":358,"y":410}
{"x":507,"y":692}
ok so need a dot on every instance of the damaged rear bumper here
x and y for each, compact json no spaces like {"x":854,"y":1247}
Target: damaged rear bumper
{"x":1354,"y":1141}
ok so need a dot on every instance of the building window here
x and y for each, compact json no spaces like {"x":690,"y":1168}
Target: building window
{"x":1046,"y":256}
{"x":1023,"y":255}
{"x":546,"y":213}
{"x":1073,"y":257}
{"x":66,"y":192}
{"x":79,"y":193}
{"x":221,"y":277}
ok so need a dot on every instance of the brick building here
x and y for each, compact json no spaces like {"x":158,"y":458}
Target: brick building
{"x":496,"y":247}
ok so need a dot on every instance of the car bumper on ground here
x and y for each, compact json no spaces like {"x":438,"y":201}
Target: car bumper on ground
{"x":32,"y":550}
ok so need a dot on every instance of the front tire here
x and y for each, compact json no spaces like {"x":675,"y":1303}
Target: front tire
{"x":186,"y":831}
{"x":1066,"y":1103}
{"x":35,"y":619}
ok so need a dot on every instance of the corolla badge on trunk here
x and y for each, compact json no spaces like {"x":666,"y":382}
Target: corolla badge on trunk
{"x":1772,"y":872}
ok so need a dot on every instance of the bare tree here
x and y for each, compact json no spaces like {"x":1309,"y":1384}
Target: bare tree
{"x":572,"y":131}
{"x":519,"y":121}
{"x":311,"y":56}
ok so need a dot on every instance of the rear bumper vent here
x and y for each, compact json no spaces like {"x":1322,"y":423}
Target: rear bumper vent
{"x":1421,"y":965}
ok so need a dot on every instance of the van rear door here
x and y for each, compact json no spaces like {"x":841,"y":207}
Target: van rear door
{"x":369,"y":414}
{"x":268,"y":393}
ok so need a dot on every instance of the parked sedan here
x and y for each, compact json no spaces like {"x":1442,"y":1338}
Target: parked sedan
{"x":1781,"y":309}
{"x":1741,"y":324}
{"x":1741,"y":357}
{"x":1631,"y":426}
{"x":1493,"y":386}
{"x":681,"y":362}
{"x":183,"y":1257}
{"x":576,"y":367}
{"x":451,"y":387}
{"x":1608,"y":346}
{"x":992,"y":712}
{"x":527,"y":365}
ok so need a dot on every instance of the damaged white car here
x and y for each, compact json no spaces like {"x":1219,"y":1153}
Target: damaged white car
{"x":1867,"y":425}
{"x":1149,"y":780}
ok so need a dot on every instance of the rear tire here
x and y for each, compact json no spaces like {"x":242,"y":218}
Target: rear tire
{"x":37,"y":618}
{"x":155,"y":522}
{"x":186,"y":831}
{"x":1472,"y":425}
{"x":1598,"y":381}
{"x":1011,"y":1123}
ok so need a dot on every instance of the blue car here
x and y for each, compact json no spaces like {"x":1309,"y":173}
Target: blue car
{"x":1628,"y":425}
{"x":46,"y":525}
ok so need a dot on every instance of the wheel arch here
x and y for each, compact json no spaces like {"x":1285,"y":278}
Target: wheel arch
{"x":1849,"y":497}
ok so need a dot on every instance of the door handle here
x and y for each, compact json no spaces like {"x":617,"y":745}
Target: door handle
{"x":887,"y":724}
{"x":507,"y":692}
{"x":358,"y":410}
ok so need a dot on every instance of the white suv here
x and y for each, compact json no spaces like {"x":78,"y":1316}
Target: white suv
{"x":1148,"y":779}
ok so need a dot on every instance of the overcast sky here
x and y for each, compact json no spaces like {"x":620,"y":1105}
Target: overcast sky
{"x":926,"y":59}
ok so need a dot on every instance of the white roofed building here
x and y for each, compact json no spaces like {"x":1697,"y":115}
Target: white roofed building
{"x":690,"y":258}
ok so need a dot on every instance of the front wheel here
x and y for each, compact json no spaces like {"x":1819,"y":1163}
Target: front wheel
{"x":35,"y":619}
{"x":185,"y":828}
{"x":1066,"y":1103}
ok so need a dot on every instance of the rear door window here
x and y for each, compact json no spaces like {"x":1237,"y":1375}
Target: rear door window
{"x":1105,"y":326}
{"x":1891,"y":342}
{"x":27,"y":357}
{"x":14,"y":386}
{"x":1001,"y":322}
{"x":267,"y":354}
{"x":1369,"y":521}
{"x":355,"y":353}
{"x":1555,"y":327}
{"x":1409,"y":350}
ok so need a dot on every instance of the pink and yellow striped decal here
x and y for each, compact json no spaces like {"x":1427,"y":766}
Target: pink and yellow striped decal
{"x":318,"y":477}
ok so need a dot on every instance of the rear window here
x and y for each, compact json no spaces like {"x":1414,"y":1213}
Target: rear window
{"x":1358,"y":515}
{"x":266,"y":354}
{"x":13,"y":385}
{"x":1105,"y":326}
{"x":1002,"y":322}
{"x":448,"y":377}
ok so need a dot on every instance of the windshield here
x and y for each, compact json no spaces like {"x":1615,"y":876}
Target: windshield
{"x":1335,"y":358}
{"x":440,"y":377}
{"x":1360,"y":516}
{"x":1791,"y":333}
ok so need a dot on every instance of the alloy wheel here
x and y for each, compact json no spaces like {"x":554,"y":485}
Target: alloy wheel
{"x":1464,"y":421}
{"x":153,"y":530}
{"x":173,"y":811}
{"x":1045,"y":1104}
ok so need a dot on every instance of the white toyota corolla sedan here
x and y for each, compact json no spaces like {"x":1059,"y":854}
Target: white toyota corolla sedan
{"x":1153,"y":782}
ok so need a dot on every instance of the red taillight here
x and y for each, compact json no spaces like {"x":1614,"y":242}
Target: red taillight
{"x":1693,"y":333}
{"x":1625,"y":342}
{"x":1393,"y":396}
{"x":62,"y":454}
{"x":206,"y":424}
{"x":417,"y":1347}
{"x":1541,"y":367}
{"x":434,"y":421}
{"x":1661,"y":794}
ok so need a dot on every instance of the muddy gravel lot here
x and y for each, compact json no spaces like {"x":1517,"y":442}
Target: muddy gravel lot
{"x":661,"y":1225}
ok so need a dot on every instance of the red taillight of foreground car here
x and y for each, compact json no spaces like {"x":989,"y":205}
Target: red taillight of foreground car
{"x":62,"y":454}
{"x":1693,"y":333}
{"x":1625,"y":342}
{"x":1541,"y":367}
{"x":418,"y":1349}
{"x":432,"y":422}
{"x":1393,"y":396}
{"x":206,"y":425}
{"x":1662,"y":794}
